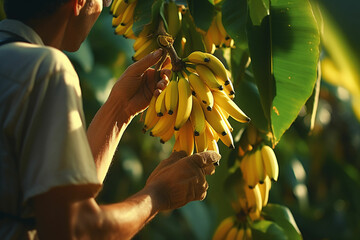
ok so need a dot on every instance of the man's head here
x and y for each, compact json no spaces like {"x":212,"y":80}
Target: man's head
{"x":79,"y":16}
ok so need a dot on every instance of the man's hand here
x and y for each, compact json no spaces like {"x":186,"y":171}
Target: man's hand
{"x":139,"y":82}
{"x":181,"y":179}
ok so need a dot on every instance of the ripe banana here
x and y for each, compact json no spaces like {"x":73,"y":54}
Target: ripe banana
{"x":185,"y":103}
{"x":172,"y":96}
{"x":160,"y":107}
{"x":186,"y":138}
{"x":264,"y":190}
{"x":227,"y":139}
{"x":129,"y":33}
{"x":208,"y":77}
{"x":232,"y":233}
{"x":270,"y":162}
{"x":145,"y":49}
{"x":161,"y":127}
{"x":201,"y":142}
{"x":223,"y":228}
{"x":259,"y":166}
{"x":214,"y":118}
{"x":168,"y":134}
{"x":224,"y":36}
{"x":240,"y":234}
{"x":113,"y":6}
{"x":214,"y":34}
{"x":197,"y":117}
{"x":202,"y":91}
{"x":253,"y":197}
{"x":248,"y":168}
{"x":119,"y":8}
{"x":128,"y":15}
{"x":151,"y":117}
{"x":212,"y":62}
{"x":230,"y":107}
{"x":140,"y":41}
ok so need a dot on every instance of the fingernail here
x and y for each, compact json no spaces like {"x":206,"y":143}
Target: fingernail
{"x":158,"y":52}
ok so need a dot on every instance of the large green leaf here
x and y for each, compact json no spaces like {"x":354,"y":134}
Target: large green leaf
{"x":202,"y":11}
{"x":235,"y":21}
{"x":285,"y":51}
{"x":267,"y":230}
{"x":142,"y":15}
{"x":282,"y":216}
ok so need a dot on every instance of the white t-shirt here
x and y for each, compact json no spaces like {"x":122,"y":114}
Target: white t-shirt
{"x":43,"y":141}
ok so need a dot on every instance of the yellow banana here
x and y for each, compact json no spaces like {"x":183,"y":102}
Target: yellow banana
{"x":214,"y":33}
{"x":116,"y":20}
{"x":211,"y":138}
{"x":223,"y":228}
{"x":121,"y":29}
{"x":212,"y":62}
{"x":213,"y":146}
{"x":129,"y":33}
{"x":229,"y":89}
{"x":230,"y":107}
{"x":208,"y":77}
{"x":161,"y":127}
{"x":139,"y":42}
{"x":186,"y":138}
{"x":253,"y":197}
{"x":214,"y":118}
{"x":119,"y":8}
{"x":197,"y":117}
{"x":270,"y":162}
{"x":168,"y":134}
{"x":150,"y":118}
{"x":172,"y":96}
{"x":227,"y":139}
{"x":145,"y":49}
{"x":202,"y":91}
{"x":173,"y":18}
{"x":113,"y":5}
{"x":232,"y":233}
{"x":259,"y":166}
{"x":223,"y":34}
{"x":209,"y":44}
{"x":185,"y":103}
{"x":210,"y":132}
{"x":160,"y":107}
{"x":201,"y":142}
{"x":176,"y":147}
{"x":248,"y":168}
{"x":240,"y":234}
{"x":225,"y":116}
{"x":128,"y":15}
{"x":248,"y":233}
{"x":264,"y":190}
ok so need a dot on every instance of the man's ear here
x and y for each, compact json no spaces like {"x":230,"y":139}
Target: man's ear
{"x":78,"y":5}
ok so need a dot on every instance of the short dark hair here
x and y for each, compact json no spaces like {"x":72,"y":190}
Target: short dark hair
{"x":24,"y":10}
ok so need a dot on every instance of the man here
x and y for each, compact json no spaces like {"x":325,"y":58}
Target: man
{"x":51,"y":168}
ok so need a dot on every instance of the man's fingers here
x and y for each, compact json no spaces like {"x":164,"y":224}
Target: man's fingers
{"x":174,"y":157}
{"x":209,"y":169}
{"x":204,"y":159}
{"x":151,"y":59}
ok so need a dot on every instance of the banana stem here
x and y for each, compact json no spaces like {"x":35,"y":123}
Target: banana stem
{"x":177,"y":63}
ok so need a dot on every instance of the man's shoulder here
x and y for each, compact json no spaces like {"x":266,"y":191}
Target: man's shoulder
{"x":43,"y":57}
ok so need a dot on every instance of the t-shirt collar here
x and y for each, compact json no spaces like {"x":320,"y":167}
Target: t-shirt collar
{"x":20,"y":29}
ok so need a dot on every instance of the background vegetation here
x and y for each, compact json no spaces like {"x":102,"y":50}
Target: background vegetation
{"x":319,"y":170}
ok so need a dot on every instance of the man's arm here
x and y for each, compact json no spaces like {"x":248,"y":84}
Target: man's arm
{"x":62,"y":214}
{"x":129,"y":96}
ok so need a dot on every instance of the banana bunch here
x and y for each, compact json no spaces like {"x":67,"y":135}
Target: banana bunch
{"x":173,"y":18}
{"x":259,"y":164}
{"x":123,"y":17}
{"x":231,"y":229}
{"x":216,"y":36}
{"x":195,"y":106}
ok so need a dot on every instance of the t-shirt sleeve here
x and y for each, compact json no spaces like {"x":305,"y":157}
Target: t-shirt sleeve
{"x":55,"y":150}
